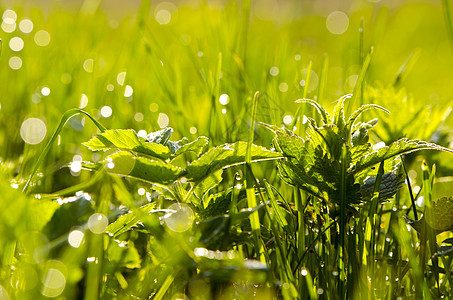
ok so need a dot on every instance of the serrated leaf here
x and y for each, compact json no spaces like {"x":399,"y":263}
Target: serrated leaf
{"x":224,"y":156}
{"x":125,"y":163}
{"x":325,"y":116}
{"x":207,"y":184}
{"x":126,"y":222}
{"x":402,"y":146}
{"x":196,"y":146}
{"x":127,"y":139}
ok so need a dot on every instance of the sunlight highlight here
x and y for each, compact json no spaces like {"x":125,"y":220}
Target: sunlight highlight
{"x":97,"y":223}
{"x":16,"y":44}
{"x":33,"y":131}
{"x":42,"y":38}
{"x":26,"y":26}
{"x":181,"y":219}
{"x":337,"y":22}
{"x":75,"y":238}
{"x":15,"y":63}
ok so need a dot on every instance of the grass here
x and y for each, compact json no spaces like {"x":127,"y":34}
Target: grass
{"x":249,"y":230}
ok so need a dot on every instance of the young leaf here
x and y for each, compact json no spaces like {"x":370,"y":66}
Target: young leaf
{"x":202,"y":187}
{"x":224,"y":156}
{"x":125,"y":163}
{"x":127,"y":139}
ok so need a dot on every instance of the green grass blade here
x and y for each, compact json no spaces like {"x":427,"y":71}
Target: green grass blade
{"x":67,"y":115}
{"x":360,"y":79}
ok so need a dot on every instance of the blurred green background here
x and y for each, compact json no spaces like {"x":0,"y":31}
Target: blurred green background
{"x":145,"y":60}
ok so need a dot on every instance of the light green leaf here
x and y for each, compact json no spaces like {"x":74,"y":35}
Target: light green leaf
{"x":127,"y":139}
{"x":125,"y":163}
{"x":123,"y":254}
{"x":208,"y":183}
{"x":440,"y":215}
{"x":224,"y":156}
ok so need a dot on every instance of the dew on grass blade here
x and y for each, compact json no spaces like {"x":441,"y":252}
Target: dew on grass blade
{"x":180,"y":219}
{"x":54,"y":282}
{"x":106,"y":111}
{"x":88,"y":65}
{"x":139,"y":117}
{"x":337,"y":22}
{"x":15,"y":63}
{"x":42,"y":38}
{"x":163,"y":120}
{"x":164,"y":11}
{"x":7,"y":26}
{"x":33,"y":131}
{"x":128,"y":91}
{"x":9,"y":13}
{"x":121,"y":77}
{"x":122,"y":164}
{"x":288,"y":119}
{"x":304,"y":272}
{"x":26,"y":25}
{"x":142,"y":133}
{"x":97,"y":223}
{"x":274,"y":71}
{"x":224,"y":111}
{"x":224,"y":99}
{"x":16,"y":44}
{"x":83,"y":101}
{"x":141,"y":191}
{"x":75,"y":238}
{"x":45,"y":91}
{"x":153,"y":107}
{"x":283,"y":87}
{"x":193,"y":130}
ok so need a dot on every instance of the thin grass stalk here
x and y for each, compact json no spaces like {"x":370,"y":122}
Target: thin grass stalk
{"x":64,"y":119}
{"x":360,"y":80}
{"x":250,"y":184}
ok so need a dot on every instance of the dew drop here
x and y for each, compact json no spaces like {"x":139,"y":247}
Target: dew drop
{"x":33,"y":131}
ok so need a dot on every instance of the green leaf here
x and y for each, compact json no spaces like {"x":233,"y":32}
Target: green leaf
{"x":123,"y":254}
{"x":196,"y":146}
{"x":325,"y":116}
{"x":338,"y":112}
{"x":20,"y":214}
{"x":125,"y":163}
{"x":402,"y":146}
{"x":211,"y":181}
{"x":161,"y":136}
{"x":224,"y":156}
{"x":127,"y":139}
{"x":127,"y":221}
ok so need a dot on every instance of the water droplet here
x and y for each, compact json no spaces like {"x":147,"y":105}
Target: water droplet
{"x":153,"y":107}
{"x":139,"y":117}
{"x":45,"y":91}
{"x":337,"y":22}
{"x":288,"y":119}
{"x":8,"y":25}
{"x":83,"y":101}
{"x":320,"y":291}
{"x":76,"y":167}
{"x":88,"y":65}
{"x":33,"y":131}
{"x":106,"y":111}
{"x":75,"y":238}
{"x":181,"y":219}
{"x":42,"y":38}
{"x":141,"y":191}
{"x":224,"y":99}
{"x":16,"y":44}
{"x":283,"y":87}
{"x":224,"y":111}
{"x":142,"y":133}
{"x":163,"y":120}
{"x":110,"y":87}
{"x":128,"y":91}
{"x":304,"y":272}
{"x":26,"y":26}
{"x":97,"y":223}
{"x":121,"y":78}
{"x":15,"y":63}
{"x":193,"y":130}
{"x":54,"y":283}
{"x":238,"y":186}
{"x":9,"y":13}
{"x":274,"y":71}
{"x":297,"y":57}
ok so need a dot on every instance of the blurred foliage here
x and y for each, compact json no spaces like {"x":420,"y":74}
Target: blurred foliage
{"x":139,"y":67}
